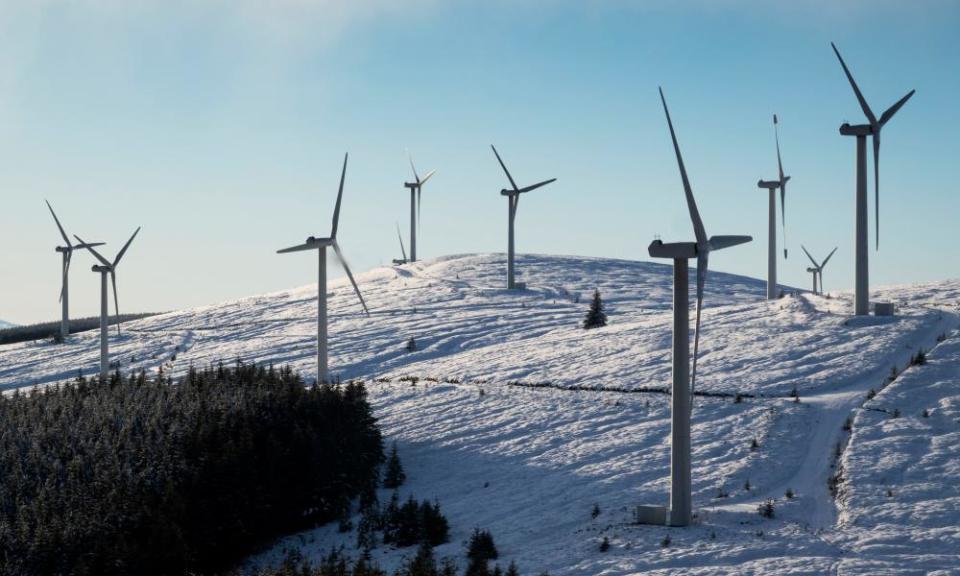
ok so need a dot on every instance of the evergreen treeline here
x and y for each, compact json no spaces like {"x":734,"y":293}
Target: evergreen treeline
{"x":146,"y":476}
{"x":47,"y":330}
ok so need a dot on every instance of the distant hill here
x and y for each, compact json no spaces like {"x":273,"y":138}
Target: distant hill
{"x":4,"y":324}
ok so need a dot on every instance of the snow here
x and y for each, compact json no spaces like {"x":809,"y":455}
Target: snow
{"x":4,"y":324}
{"x":529,"y":463}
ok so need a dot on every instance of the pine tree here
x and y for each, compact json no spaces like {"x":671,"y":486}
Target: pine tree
{"x":481,"y":546}
{"x":395,"y":476}
{"x":595,"y":317}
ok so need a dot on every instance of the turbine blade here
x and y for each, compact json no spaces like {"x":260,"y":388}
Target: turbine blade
{"x":856,"y":90}
{"x":57,"y":220}
{"x":702,"y":258}
{"x":116,"y":302}
{"x":298,"y":248}
{"x":827,"y":259}
{"x":414,"y":168}
{"x":815,"y":265}
{"x":783,"y":214}
{"x":537,"y":185}
{"x":776,"y":135}
{"x":691,"y":202}
{"x":336,"y":209}
{"x":504,"y":166}
{"x":96,"y":254}
{"x":721,"y":242}
{"x":427,"y":177}
{"x":346,"y":268}
{"x":63,"y":279}
{"x":125,"y":246}
{"x":400,"y":237}
{"x":876,"y":186}
{"x":886,"y":116}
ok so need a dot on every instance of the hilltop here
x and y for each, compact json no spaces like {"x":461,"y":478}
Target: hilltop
{"x":530,"y":463}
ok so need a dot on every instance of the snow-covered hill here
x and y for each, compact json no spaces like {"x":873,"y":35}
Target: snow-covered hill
{"x":529,"y":463}
{"x":4,"y":324}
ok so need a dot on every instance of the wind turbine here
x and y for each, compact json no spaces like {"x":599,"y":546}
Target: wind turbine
{"x":402,"y":249}
{"x":106,"y":267}
{"x":679,"y":511}
{"x":771,"y":186}
{"x":66,"y":252}
{"x":861,"y":131}
{"x":321,"y":244}
{"x":513,"y":197}
{"x":415,"y":187}
{"x":817,"y":269}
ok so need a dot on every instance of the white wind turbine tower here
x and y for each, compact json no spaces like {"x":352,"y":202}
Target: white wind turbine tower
{"x":817,"y":269}
{"x":321,"y":244}
{"x":771,"y":186}
{"x":415,"y":188}
{"x":106,"y":267}
{"x":679,"y":511}
{"x":513,"y":197}
{"x":67,"y":254}
{"x":861,"y":131}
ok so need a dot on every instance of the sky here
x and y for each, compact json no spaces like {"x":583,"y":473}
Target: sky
{"x":220,"y":128}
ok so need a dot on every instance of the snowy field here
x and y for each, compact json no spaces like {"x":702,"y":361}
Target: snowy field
{"x":530,"y":463}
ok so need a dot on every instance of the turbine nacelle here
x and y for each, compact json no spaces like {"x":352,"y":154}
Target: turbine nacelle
{"x":848,"y":129}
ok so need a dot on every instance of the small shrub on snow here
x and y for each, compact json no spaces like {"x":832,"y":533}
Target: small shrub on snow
{"x":754,"y":445}
{"x":766,"y":509}
{"x":789,"y":494}
{"x":925,"y":413}
{"x":665,"y":543}
{"x":411,"y":345}
{"x":746,"y":485}
{"x":595,"y":511}
{"x":605,"y":545}
{"x":919,"y":359}
{"x":833,"y":483}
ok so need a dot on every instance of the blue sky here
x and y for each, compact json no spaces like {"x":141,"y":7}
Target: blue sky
{"x":220,"y":127}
